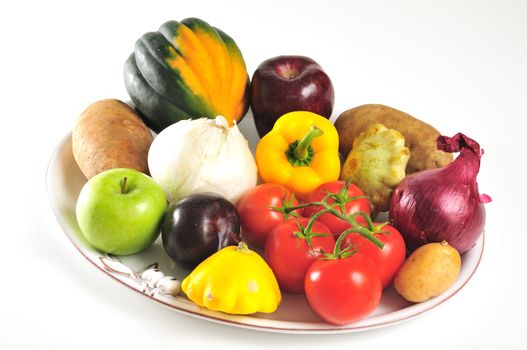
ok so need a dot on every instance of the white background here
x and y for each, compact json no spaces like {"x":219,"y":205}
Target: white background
{"x":459,"y":65}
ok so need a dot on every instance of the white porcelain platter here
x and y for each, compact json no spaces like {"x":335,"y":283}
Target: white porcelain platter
{"x":64,"y":182}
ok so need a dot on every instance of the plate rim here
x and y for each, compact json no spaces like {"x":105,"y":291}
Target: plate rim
{"x":329,"y":329}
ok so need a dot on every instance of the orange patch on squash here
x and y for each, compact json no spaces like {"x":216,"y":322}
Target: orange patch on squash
{"x":211,"y":69}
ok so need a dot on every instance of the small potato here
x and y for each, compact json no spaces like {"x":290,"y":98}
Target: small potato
{"x":429,"y":271}
{"x":420,"y":137}
{"x":109,"y":134}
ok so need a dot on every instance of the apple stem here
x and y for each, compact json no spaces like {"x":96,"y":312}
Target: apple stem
{"x":301,"y":150}
{"x":123,"y":185}
{"x":290,"y":73}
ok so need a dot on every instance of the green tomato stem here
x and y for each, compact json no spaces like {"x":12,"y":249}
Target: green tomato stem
{"x":368,"y":220}
{"x":363,"y":231}
{"x":284,"y":209}
{"x":300,"y":206}
{"x":366,"y":232}
{"x":310,"y":204}
{"x":312,"y":220}
{"x":360,"y":230}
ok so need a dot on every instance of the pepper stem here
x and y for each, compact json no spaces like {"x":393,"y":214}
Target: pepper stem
{"x":301,"y":150}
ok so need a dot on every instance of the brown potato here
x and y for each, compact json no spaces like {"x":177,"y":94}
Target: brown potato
{"x":429,"y":271}
{"x":109,"y":134}
{"x":420,"y":137}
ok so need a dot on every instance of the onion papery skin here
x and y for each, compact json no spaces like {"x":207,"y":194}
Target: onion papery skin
{"x":442,"y":204}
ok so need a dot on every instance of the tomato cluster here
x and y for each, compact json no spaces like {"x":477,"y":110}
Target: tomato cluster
{"x":326,"y":247}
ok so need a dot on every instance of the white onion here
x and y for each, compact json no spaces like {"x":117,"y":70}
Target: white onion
{"x":202,"y":155}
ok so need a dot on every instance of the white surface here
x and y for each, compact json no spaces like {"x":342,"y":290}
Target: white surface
{"x":459,"y":65}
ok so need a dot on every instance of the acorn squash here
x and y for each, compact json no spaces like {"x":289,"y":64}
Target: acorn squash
{"x":187,"y":69}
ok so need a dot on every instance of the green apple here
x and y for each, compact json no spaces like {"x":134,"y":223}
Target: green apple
{"x":120,"y":211}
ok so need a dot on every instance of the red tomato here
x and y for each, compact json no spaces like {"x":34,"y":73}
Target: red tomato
{"x":290,"y":256}
{"x":388,"y":260}
{"x":335,"y":224}
{"x":343,"y":290}
{"x":257,"y":217}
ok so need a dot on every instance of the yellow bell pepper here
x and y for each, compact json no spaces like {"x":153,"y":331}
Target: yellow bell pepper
{"x":300,"y":152}
{"x":234,"y":280}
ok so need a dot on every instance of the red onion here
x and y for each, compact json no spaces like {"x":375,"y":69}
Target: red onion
{"x":442,"y":204}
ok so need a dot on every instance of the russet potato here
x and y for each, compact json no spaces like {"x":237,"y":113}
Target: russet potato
{"x":110,"y":134}
{"x":420,"y":137}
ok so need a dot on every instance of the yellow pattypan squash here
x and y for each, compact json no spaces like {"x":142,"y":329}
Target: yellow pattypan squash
{"x":234,"y":280}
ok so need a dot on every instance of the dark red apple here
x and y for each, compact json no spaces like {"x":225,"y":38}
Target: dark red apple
{"x":289,"y":83}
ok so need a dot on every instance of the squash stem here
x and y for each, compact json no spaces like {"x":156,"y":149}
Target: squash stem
{"x":242,"y":247}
